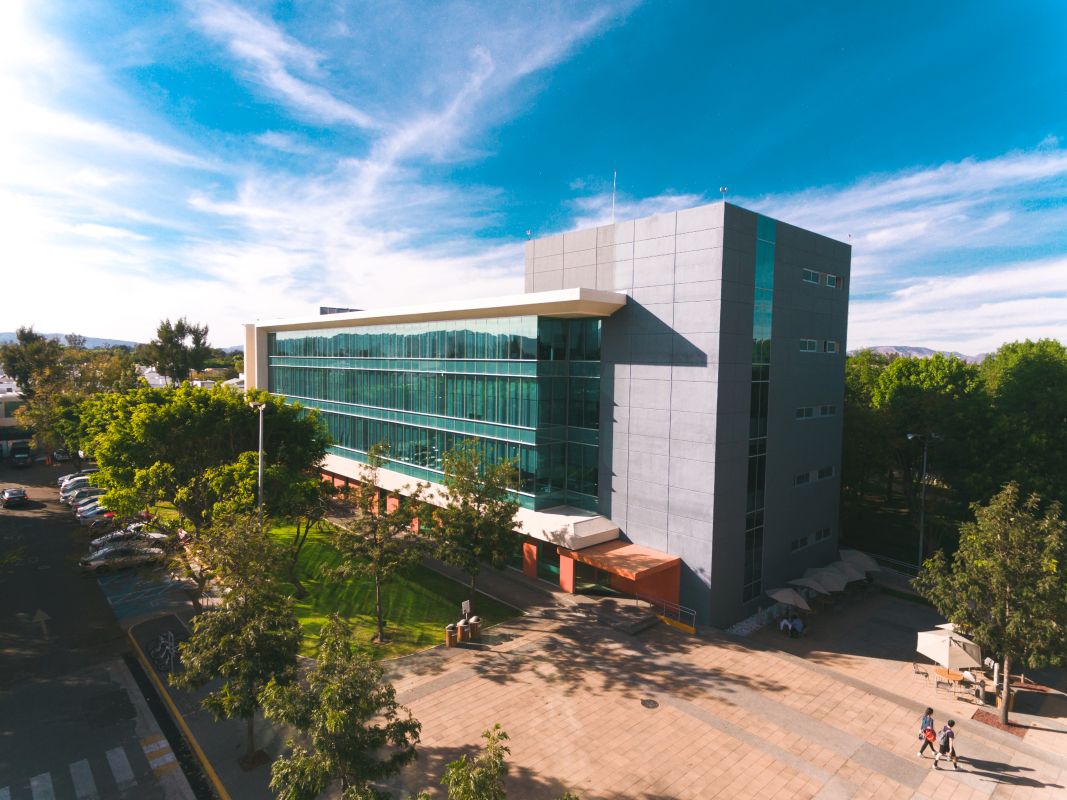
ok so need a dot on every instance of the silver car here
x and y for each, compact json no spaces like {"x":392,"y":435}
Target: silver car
{"x":127,"y":535}
{"x":122,"y":556}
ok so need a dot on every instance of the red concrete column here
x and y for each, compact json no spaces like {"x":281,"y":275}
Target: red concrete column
{"x":529,"y":560}
{"x":566,"y":574}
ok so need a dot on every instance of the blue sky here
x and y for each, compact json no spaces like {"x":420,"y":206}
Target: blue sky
{"x":229,"y":161}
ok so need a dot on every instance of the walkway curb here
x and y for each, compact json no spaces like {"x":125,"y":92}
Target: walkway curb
{"x":161,"y":687}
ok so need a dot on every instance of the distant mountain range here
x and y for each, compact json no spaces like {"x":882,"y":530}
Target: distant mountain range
{"x":7,"y":337}
{"x":919,"y":352}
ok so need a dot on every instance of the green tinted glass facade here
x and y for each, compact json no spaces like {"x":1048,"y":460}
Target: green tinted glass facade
{"x":526,"y":388}
{"x":763,"y":300}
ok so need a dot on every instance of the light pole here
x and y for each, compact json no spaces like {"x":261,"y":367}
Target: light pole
{"x":260,"y":407}
{"x":925,"y":438}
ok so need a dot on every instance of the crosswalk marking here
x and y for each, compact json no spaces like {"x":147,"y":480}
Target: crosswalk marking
{"x":120,"y":768}
{"x":160,"y":757}
{"x":82,"y":775}
{"x":41,"y":786}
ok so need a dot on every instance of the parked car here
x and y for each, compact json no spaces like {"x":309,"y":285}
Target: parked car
{"x":121,"y":556}
{"x":130,"y":534}
{"x":14,"y":496}
{"x":66,"y":495}
{"x":86,"y":493}
{"x":72,"y":475}
{"x":96,"y":516}
{"x":85,"y":503}
{"x":21,"y":459}
{"x":60,"y":455}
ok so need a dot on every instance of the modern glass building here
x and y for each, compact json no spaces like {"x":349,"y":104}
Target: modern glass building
{"x":526,"y":388}
{"x":632,"y":384}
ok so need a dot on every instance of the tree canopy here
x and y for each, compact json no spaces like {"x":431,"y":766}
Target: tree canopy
{"x":477,"y":521}
{"x":377,"y":541}
{"x":353,"y":729}
{"x":179,"y":348}
{"x":1007,"y":586}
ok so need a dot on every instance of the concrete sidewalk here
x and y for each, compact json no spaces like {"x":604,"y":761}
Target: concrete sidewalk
{"x":218,"y":744}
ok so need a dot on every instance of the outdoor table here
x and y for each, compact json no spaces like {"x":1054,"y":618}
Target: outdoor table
{"x":948,"y":674}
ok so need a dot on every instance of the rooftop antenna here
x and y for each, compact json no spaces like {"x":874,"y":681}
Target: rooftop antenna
{"x":614,"y":183}
{"x":723,"y":190}
{"x":529,"y":234}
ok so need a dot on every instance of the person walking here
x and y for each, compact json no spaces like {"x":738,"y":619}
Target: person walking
{"x":926,"y":733}
{"x":946,"y":745}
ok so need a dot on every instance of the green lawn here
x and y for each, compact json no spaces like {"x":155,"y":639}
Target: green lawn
{"x":417,"y":605}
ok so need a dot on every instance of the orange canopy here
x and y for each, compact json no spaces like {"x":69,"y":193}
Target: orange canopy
{"x":627,"y":560}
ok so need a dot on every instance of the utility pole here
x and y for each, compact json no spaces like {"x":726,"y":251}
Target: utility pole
{"x":925,"y":438}
{"x":260,"y":407}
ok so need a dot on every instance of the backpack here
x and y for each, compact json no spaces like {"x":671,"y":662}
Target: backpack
{"x":942,"y":737}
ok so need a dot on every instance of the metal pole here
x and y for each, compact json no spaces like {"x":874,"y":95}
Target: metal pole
{"x":922,"y":503}
{"x":261,"y":407}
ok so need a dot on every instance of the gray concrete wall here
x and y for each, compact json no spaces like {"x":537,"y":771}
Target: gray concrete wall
{"x":676,"y":371}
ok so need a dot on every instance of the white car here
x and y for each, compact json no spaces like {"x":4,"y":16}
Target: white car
{"x":85,"y":505}
{"x":97,"y":514}
{"x":87,"y":493}
{"x":72,"y":487}
{"x":127,"y":535}
{"x":120,"y":556}
{"x":72,"y":475}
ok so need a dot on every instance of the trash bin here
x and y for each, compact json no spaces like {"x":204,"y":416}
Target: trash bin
{"x":450,"y":635}
{"x":1011,"y":699}
{"x":464,"y":630}
{"x":476,"y":628}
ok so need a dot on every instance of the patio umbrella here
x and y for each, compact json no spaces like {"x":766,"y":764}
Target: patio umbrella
{"x":861,"y":560}
{"x":809,"y":583}
{"x":949,"y":649}
{"x":947,"y":626}
{"x":829,"y":578}
{"x":850,"y":571}
{"x":791,"y":597}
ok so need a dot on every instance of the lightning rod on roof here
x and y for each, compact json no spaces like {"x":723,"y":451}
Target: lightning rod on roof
{"x":614,"y":183}
{"x":723,"y":190}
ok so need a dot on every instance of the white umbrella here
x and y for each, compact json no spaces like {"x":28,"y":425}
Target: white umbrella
{"x":791,"y":597}
{"x":829,"y":578}
{"x":850,"y":571}
{"x":947,"y":626}
{"x":949,"y":649}
{"x":809,"y":583}
{"x":861,"y":560}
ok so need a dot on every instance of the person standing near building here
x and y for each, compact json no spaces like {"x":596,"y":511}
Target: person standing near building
{"x":926,"y":733}
{"x":946,"y":744}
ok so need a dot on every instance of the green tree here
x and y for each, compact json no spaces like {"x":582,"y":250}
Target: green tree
{"x":1027,"y":387}
{"x":196,"y":447}
{"x":477,"y":521}
{"x":178,"y":349}
{"x":481,"y":777}
{"x":865,"y":440}
{"x":1006,"y":586}
{"x":30,"y":359}
{"x":248,"y":642}
{"x":354,"y":730}
{"x":305,"y":500}
{"x":377,"y":541}
{"x":940,"y":394}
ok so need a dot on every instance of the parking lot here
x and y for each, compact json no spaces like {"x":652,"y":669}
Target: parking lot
{"x":73,"y":720}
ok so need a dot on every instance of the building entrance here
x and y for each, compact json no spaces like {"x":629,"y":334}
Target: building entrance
{"x":591,"y":580}
{"x":547,"y":562}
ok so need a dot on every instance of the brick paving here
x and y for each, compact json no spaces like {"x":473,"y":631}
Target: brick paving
{"x":665,"y":715}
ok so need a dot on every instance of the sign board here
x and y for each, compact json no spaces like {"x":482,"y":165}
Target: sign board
{"x":465,"y":607}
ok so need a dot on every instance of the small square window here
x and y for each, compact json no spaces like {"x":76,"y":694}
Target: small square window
{"x":829,"y":346}
{"x":808,"y":345}
{"x":826,"y":472}
{"x":832,"y":281}
{"x":802,"y":478}
{"x":827,"y":411}
{"x":811,"y":276}
{"x":805,"y":412}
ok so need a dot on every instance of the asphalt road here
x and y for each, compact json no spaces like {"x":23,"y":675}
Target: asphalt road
{"x":73,"y":723}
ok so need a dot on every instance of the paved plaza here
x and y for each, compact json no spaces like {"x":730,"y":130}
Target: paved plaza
{"x":668,"y":715}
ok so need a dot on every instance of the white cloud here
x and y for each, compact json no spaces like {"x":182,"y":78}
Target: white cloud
{"x":272,"y":58}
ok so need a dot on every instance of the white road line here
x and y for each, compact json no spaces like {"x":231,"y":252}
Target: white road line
{"x":41,"y":786}
{"x":120,"y":768}
{"x":156,"y":763}
{"x":157,"y":745}
{"x":84,"y":785}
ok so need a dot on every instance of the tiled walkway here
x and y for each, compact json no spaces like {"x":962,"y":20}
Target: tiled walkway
{"x":666,"y":715}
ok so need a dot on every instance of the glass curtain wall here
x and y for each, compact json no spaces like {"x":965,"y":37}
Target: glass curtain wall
{"x":763,"y":300}
{"x":526,"y":388}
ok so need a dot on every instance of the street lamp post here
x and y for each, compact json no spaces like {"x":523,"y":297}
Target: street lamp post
{"x":925,"y":438}
{"x":260,"y":408}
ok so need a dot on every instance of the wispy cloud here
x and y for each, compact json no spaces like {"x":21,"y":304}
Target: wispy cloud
{"x":274,"y":60}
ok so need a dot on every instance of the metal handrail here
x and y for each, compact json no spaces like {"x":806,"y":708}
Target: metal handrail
{"x":679,"y":613}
